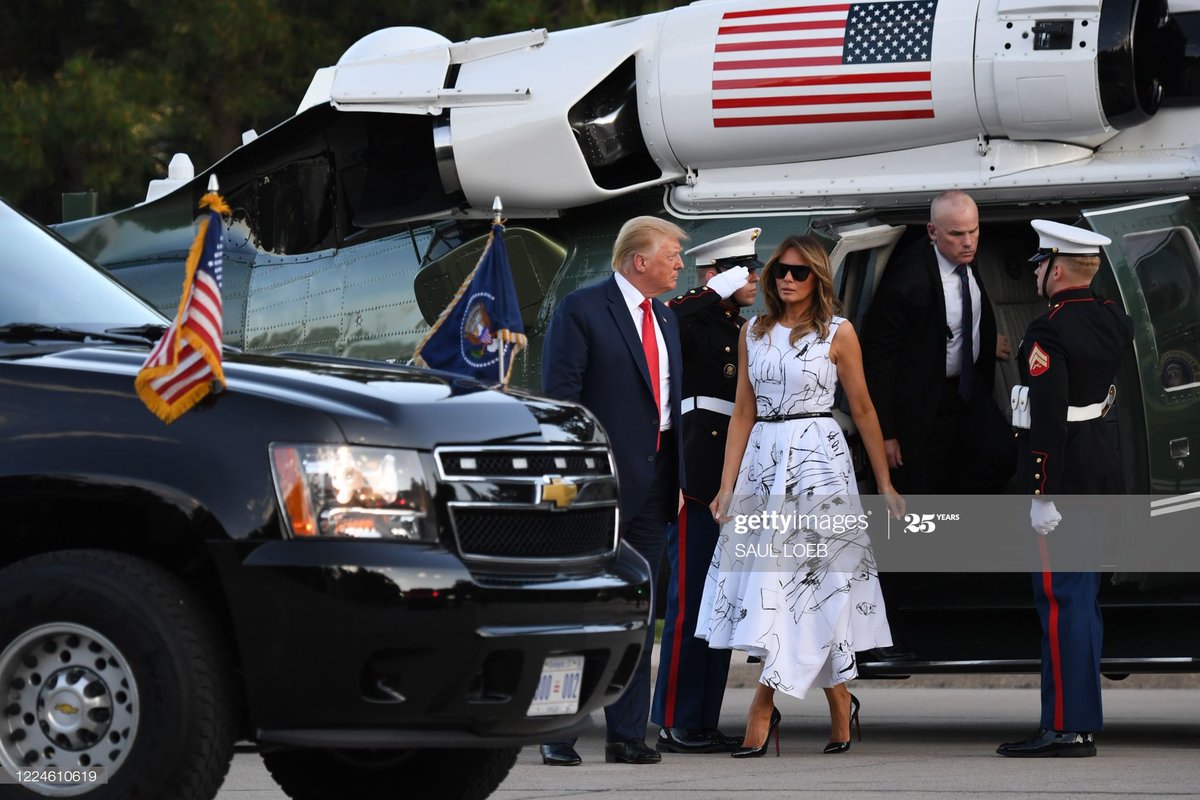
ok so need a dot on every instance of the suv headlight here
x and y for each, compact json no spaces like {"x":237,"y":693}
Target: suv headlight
{"x":357,"y":492}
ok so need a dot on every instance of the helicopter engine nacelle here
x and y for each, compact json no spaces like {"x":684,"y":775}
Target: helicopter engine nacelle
{"x":577,"y":116}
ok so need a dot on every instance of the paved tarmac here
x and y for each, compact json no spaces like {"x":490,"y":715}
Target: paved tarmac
{"x":918,"y":742}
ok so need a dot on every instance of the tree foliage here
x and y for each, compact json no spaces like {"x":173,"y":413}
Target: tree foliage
{"x":98,"y":95}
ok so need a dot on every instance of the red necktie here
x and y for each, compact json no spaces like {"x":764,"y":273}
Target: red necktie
{"x":650,"y":348}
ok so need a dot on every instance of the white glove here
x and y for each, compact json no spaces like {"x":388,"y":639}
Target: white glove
{"x":727,"y":282}
{"x":1043,"y":516}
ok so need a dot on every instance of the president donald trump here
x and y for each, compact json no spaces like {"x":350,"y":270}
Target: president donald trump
{"x":614,"y":348}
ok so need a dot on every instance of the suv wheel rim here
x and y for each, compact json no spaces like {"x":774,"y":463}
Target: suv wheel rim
{"x":69,"y":703}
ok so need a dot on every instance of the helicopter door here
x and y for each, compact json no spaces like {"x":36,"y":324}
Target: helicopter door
{"x":858,"y":256}
{"x":1155,"y":261}
{"x":858,"y":253}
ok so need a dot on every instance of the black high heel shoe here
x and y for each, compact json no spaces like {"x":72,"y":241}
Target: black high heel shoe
{"x":841,"y":747}
{"x":761,"y":750}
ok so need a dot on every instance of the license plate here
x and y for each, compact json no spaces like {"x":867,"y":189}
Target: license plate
{"x":558,"y":688}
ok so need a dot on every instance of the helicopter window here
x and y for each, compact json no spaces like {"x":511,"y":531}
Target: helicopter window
{"x":288,"y":210}
{"x":1166,"y":264}
{"x":534,"y":260}
{"x":440,"y":238}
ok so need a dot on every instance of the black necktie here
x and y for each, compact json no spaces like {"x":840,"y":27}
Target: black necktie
{"x":966,"y":375}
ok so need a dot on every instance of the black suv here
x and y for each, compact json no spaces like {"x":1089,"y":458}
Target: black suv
{"x":388,"y":579}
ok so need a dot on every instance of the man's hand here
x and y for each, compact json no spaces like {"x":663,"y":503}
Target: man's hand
{"x":1003,"y":348}
{"x":891,"y":448}
{"x":1043,"y":516}
{"x":895,"y":503}
{"x":727,"y":282}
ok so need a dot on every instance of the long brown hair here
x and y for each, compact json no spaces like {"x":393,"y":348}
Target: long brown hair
{"x":824,"y":304}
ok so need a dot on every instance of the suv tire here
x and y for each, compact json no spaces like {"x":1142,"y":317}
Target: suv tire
{"x":108,"y":661}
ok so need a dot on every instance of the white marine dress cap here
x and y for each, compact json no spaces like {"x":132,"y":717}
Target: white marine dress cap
{"x":1055,"y":238}
{"x":738,"y":245}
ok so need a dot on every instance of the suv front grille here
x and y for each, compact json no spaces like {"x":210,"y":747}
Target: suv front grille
{"x":506,"y":533}
{"x":541,"y":506}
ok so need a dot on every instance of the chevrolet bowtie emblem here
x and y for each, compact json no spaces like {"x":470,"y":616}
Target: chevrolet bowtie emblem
{"x":66,"y":708}
{"x":560,"y":492}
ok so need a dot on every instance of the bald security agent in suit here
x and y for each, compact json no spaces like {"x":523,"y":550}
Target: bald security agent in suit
{"x":930,"y":371}
{"x":615,"y":349}
{"x":1069,"y":359}
{"x":691,"y":675}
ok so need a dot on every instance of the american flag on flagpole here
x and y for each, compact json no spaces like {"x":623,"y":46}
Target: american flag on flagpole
{"x":814,"y":63}
{"x":186,"y":361}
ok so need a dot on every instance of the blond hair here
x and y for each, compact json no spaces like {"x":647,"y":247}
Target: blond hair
{"x":824,"y":304}
{"x":639,"y":235}
{"x":1083,"y":267}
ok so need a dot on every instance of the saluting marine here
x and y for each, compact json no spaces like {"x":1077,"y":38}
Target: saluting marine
{"x":1068,"y":361}
{"x":691,"y":676}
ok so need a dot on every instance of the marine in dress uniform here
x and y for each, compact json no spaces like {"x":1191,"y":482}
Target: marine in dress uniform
{"x":1068,"y":360}
{"x":691,"y":676}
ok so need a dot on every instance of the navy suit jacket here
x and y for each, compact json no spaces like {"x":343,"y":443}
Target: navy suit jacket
{"x":592,"y":354}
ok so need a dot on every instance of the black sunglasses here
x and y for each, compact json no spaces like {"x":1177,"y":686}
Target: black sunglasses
{"x":799,"y":272}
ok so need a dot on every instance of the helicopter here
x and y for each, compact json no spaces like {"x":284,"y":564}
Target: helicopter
{"x":355,"y":221}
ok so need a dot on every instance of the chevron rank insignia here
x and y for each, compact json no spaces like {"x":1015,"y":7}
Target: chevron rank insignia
{"x":1039,"y":361}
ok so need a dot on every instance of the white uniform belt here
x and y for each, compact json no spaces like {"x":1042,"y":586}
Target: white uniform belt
{"x":715,"y":404}
{"x":1084,"y":413}
{"x":1020,"y":407}
{"x":1095,"y":410}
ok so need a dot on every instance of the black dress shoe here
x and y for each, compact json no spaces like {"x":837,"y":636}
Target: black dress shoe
{"x":633,"y":751}
{"x":761,"y":750}
{"x":841,"y":747}
{"x":1051,"y":744}
{"x":728,"y":743}
{"x":695,"y":740}
{"x":560,"y":755}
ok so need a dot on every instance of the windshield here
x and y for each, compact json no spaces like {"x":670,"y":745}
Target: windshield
{"x":43,"y":281}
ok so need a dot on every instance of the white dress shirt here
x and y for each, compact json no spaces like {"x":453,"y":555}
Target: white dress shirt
{"x":633,"y":299}
{"x":952,"y":289}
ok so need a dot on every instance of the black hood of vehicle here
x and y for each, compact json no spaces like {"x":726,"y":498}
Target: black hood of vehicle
{"x":373,"y":403}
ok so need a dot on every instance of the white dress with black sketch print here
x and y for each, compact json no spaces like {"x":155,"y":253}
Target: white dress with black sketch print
{"x":772,"y":590}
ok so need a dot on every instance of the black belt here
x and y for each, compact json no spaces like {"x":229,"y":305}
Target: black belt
{"x":787,"y":417}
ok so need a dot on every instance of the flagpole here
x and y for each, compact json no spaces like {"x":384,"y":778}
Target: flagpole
{"x":497,"y":208}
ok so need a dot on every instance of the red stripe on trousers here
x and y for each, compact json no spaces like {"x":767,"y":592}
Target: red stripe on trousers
{"x":680,"y":614}
{"x":1052,"y":632}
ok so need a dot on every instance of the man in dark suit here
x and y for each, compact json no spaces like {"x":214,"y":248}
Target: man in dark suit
{"x":615,"y":349}
{"x":691,"y":675}
{"x":1069,"y":359}
{"x":929,"y":352}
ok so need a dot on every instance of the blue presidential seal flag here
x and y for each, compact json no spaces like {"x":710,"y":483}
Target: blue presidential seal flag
{"x":480,"y":332}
